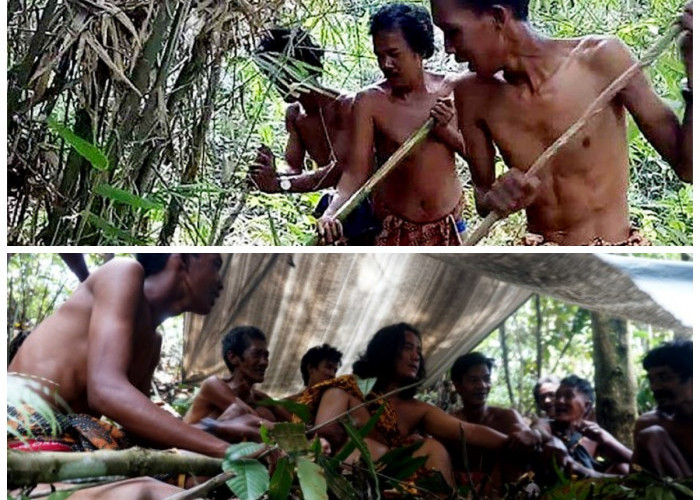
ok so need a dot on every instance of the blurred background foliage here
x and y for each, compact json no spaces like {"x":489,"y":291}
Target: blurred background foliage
{"x":169,"y":96}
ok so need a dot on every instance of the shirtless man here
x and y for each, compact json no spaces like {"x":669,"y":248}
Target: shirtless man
{"x":662,"y":437}
{"x":98,"y":351}
{"x":420,"y":203}
{"x":318,"y":124}
{"x":245,"y":353}
{"x":318,"y":364}
{"x":404,"y":415}
{"x":471,"y":376}
{"x":526,"y":90}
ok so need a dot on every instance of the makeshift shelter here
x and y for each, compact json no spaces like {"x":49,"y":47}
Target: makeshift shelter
{"x":302,"y":300}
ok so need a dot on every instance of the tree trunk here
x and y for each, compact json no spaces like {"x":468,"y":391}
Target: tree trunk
{"x":504,"y":353}
{"x":616,"y":405}
{"x":538,"y":334}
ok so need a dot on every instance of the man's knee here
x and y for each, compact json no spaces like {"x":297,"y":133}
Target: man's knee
{"x":651,"y":437}
{"x":140,"y":488}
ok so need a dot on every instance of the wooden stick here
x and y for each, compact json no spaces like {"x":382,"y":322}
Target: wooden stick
{"x":598,"y":105}
{"x":394,"y":160}
{"x":26,"y":469}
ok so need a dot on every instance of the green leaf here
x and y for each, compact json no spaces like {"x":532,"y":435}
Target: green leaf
{"x":359,"y":442}
{"x":112,"y":231}
{"x":400,"y":463}
{"x":300,"y":410}
{"x":125,"y":197}
{"x":273,"y":229}
{"x":290,"y":437}
{"x":312,"y":480}
{"x":241,"y":450}
{"x":362,"y":433}
{"x":90,"y":152}
{"x":251,"y":480}
{"x":59,"y":495}
{"x":265,"y":435}
{"x":282,"y":479}
{"x":340,"y":486}
{"x":365,"y":384}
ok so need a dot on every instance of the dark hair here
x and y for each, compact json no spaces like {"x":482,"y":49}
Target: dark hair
{"x":152,"y":263}
{"x":237,"y":341}
{"x":463,"y":363}
{"x":580,"y":384}
{"x":383,"y":349}
{"x":413,"y":21}
{"x":296,"y":44}
{"x":547,"y":379}
{"x":519,"y":8}
{"x":677,"y":355}
{"x":315,"y":355}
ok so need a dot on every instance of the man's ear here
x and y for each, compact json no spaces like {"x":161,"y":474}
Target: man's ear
{"x":232,"y":358}
{"x":500,"y":14}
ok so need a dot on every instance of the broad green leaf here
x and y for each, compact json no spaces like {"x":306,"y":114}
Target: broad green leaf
{"x":125,"y":197}
{"x":251,"y":480}
{"x":362,"y":433}
{"x":90,"y":152}
{"x":300,"y":410}
{"x":311,"y":480}
{"x":290,"y":437}
{"x":282,"y":479}
{"x":359,"y":442}
{"x":365,"y":384}
{"x":265,"y":435}
{"x":400,"y":463}
{"x":340,"y":486}
{"x":112,"y":231}
{"x":241,"y":450}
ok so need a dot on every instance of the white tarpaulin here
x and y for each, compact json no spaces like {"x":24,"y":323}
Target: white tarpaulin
{"x":302,"y":300}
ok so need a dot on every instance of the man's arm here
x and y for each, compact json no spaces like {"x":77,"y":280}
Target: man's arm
{"x":117,"y":295}
{"x":654,"y":118}
{"x":358,"y":169}
{"x":443,"y":426}
{"x":445,"y":128}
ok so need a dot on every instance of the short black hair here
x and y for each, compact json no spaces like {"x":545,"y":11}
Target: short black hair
{"x":296,"y":44}
{"x":547,"y":379}
{"x":152,"y":263}
{"x":580,"y":384}
{"x":313,"y":357}
{"x":383,"y":349}
{"x":519,"y":8}
{"x":677,"y":355}
{"x":463,"y":363}
{"x":238,"y":340}
{"x":413,"y":21}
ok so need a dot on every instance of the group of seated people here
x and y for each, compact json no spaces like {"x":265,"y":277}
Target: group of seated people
{"x":98,"y":351}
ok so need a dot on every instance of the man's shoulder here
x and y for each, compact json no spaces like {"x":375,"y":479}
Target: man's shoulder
{"x":602,"y":52}
{"x":505,"y":415}
{"x":128,"y":271}
{"x":293,"y":112}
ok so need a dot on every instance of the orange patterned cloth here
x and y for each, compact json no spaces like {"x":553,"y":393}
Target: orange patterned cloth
{"x":388,"y":423}
{"x":635,"y":239}
{"x":72,"y":432}
{"x":397,"y":231}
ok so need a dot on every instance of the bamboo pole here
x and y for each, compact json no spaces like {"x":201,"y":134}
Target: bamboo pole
{"x":598,"y":105}
{"x":394,"y":160}
{"x":27,"y":469}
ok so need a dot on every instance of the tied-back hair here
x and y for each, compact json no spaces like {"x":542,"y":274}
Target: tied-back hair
{"x":379,"y":360}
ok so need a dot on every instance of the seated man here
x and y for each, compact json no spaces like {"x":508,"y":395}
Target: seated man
{"x":525,"y":90}
{"x":471,"y":376}
{"x":318,"y":364}
{"x":229,"y":406}
{"x":420,"y":203}
{"x":662,"y":441}
{"x":97,"y":352}
{"x":576,"y":442}
{"x":394,"y":357}
{"x":544,"y":393}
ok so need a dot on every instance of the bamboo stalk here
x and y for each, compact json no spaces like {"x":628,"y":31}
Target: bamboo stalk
{"x":394,"y":160}
{"x":26,"y":469}
{"x":598,"y":105}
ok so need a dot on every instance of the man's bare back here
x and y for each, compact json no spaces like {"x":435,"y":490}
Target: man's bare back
{"x":61,"y":341}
